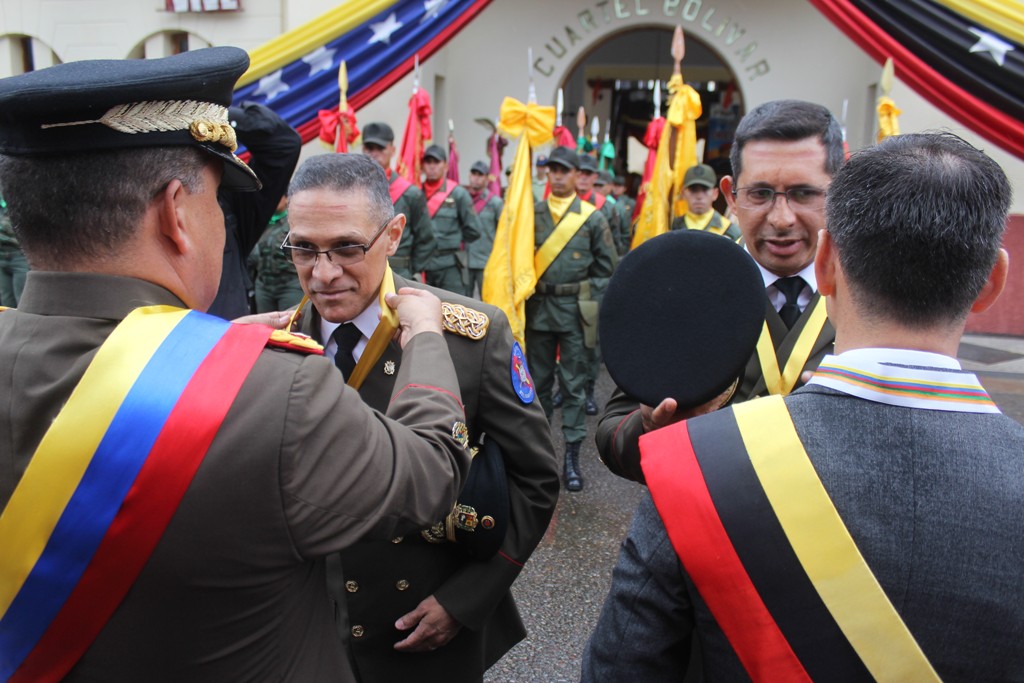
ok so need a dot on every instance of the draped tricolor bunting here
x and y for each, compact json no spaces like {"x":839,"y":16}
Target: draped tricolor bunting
{"x":296,"y":74}
{"x":963,"y":56}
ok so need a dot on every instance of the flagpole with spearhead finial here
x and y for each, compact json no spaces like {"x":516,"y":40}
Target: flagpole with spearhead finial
{"x":341,"y":140}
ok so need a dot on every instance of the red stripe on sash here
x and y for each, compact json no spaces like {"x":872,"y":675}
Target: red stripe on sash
{"x":149,"y":506}
{"x":436,"y":199}
{"x":398,"y":187}
{"x":674,"y":478}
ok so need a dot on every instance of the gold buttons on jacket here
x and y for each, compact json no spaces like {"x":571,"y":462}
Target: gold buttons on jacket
{"x":358,"y":631}
{"x":351,"y":586}
{"x":402,"y":584}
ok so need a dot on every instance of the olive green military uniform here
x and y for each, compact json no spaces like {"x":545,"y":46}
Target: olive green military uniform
{"x":625,"y":205}
{"x":455,"y":227}
{"x":553,"y":322}
{"x":620,"y":427}
{"x":13,"y":266}
{"x":299,"y":469}
{"x":383,"y":580}
{"x":277,"y":285}
{"x":478,"y":251}
{"x":718,"y":224}
{"x":418,"y":242}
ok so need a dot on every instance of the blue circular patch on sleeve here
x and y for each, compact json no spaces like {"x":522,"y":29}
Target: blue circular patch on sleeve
{"x":521,"y":380}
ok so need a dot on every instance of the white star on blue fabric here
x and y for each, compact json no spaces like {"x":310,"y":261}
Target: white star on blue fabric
{"x":991,"y":44}
{"x":320,"y":59}
{"x":432,"y":8}
{"x":382,"y":30}
{"x":271,"y":86}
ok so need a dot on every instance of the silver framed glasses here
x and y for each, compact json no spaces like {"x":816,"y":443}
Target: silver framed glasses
{"x":345,"y":255}
{"x":763,"y":198}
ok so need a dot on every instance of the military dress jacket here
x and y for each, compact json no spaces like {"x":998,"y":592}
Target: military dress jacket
{"x":933,"y":500}
{"x":455,"y":226}
{"x":385,"y":580}
{"x":418,"y":243}
{"x":588,"y":257}
{"x":620,"y":427}
{"x":299,"y":469}
{"x":479,"y":250}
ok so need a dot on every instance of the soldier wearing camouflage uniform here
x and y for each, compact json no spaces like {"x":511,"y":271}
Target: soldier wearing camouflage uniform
{"x":488,"y":209}
{"x":13,"y":265}
{"x":277,"y":285}
{"x":455,"y":224}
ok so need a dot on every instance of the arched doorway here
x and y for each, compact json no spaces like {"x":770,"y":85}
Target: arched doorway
{"x":614,"y":81}
{"x":167,"y":43}
{"x":21,"y":53}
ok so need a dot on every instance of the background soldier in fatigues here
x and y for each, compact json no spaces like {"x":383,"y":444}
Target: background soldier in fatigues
{"x":277,"y":286}
{"x":452,"y":602}
{"x":455,"y":224}
{"x":488,"y":209}
{"x":13,"y":266}
{"x":561,"y":316}
{"x":700,"y":190}
{"x":418,"y":242}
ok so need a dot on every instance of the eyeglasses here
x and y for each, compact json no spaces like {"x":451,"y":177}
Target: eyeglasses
{"x":763,"y":198}
{"x":347,"y":255}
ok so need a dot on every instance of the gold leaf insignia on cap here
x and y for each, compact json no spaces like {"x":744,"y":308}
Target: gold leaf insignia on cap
{"x":464,"y":321}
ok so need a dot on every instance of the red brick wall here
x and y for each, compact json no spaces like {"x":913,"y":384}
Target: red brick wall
{"x":1007,"y":315}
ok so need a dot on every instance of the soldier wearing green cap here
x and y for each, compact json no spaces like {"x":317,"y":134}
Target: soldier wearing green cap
{"x":700,"y":189}
{"x":454,"y":220}
{"x":488,"y":207}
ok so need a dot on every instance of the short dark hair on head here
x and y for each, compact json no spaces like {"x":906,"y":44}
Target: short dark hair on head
{"x":344,"y":173}
{"x":68,"y":208}
{"x":789,"y":120}
{"x":917,"y":222}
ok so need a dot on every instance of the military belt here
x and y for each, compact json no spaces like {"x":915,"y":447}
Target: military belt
{"x":570,"y":289}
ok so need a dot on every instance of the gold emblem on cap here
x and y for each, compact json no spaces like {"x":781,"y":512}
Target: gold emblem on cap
{"x":464,"y":321}
{"x":221,"y":132}
{"x":389,"y":367}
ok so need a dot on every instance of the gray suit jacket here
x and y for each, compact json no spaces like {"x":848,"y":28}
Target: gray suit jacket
{"x":935,"y":502}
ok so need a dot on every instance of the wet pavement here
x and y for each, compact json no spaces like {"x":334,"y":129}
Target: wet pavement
{"x":563,"y":586}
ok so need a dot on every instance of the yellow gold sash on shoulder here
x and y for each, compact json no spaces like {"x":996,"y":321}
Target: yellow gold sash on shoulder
{"x":781,"y":382}
{"x":563,"y":232}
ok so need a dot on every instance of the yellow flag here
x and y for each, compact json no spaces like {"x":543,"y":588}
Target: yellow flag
{"x":679,"y":143}
{"x":888,"y":118}
{"x":510,"y":277}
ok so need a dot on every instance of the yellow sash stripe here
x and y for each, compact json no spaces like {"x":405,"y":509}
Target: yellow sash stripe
{"x":66,"y":450}
{"x":824,"y":547}
{"x":560,"y":236}
{"x":781,"y":383}
{"x":382,"y":334}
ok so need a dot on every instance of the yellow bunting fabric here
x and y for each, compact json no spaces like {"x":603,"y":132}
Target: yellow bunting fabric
{"x":1002,"y":16}
{"x":888,"y":118}
{"x":824,"y":547}
{"x":510,"y":277}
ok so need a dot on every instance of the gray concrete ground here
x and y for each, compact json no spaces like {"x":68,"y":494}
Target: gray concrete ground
{"x":563,"y":586}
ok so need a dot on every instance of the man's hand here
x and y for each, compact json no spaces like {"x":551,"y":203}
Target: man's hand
{"x":276,"y":319}
{"x":418,"y":311}
{"x":434,"y":626}
{"x":661,"y":416}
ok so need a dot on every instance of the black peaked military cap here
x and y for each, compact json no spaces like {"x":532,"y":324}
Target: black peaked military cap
{"x":378,"y":133}
{"x":588,"y":163}
{"x":564,"y":156}
{"x":480,"y":167}
{"x":95,"y":105}
{"x":681,"y":318}
{"x":435,"y":152}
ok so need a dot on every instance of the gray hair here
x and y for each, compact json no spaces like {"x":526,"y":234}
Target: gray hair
{"x":344,"y":173}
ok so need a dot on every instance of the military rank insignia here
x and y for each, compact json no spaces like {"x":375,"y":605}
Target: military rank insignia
{"x":463,"y":321}
{"x":294,"y":341}
{"x":522,"y":383}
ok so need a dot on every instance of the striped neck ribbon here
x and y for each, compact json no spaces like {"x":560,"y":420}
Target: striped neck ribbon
{"x":108,"y":476}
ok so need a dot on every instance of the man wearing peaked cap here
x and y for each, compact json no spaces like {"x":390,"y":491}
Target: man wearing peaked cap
{"x":418,"y":241}
{"x":488,"y":208}
{"x":455,"y":224}
{"x":171,"y":483}
{"x":700,"y":189}
{"x":575,"y":256}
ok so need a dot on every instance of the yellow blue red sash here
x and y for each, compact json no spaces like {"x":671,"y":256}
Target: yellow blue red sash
{"x":108,"y":476}
{"x":769,"y":554}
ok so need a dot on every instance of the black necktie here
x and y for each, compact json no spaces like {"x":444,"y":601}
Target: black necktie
{"x":346,"y":337}
{"x":790,"y":288}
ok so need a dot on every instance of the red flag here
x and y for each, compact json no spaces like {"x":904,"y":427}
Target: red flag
{"x":453,"y":160}
{"x":563,"y":138}
{"x":417,"y":131}
{"x":651,"y":139}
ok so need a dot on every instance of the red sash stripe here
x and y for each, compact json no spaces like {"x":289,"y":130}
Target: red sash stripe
{"x":149,"y":505}
{"x":435,"y":200}
{"x":704,"y":547}
{"x":399,"y":184}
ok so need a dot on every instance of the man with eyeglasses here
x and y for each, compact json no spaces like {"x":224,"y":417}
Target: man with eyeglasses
{"x":418,"y":241}
{"x":430,"y":606}
{"x":783,"y":158}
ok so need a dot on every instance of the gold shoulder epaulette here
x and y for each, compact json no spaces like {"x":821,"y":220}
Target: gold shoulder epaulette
{"x":464,"y":321}
{"x":293,"y":341}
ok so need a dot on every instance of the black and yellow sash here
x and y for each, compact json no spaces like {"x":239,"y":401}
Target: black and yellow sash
{"x":776,"y":565}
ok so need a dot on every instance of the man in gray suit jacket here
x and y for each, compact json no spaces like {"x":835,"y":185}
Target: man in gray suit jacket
{"x":871,"y":524}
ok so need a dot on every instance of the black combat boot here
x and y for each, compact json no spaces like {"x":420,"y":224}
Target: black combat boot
{"x":573,"y":479}
{"x":591,"y":405}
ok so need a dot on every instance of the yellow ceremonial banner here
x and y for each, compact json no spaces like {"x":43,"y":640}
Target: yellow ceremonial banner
{"x":677,"y":151}
{"x":510,"y":276}
{"x":888,"y":118}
